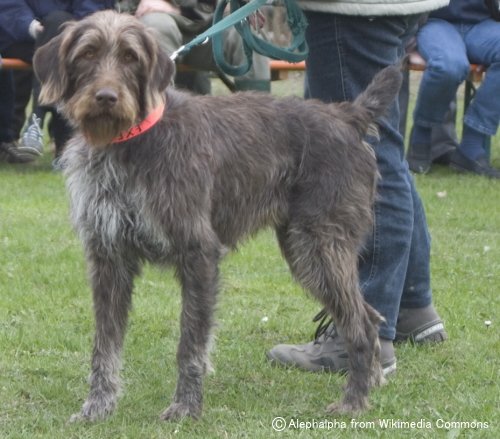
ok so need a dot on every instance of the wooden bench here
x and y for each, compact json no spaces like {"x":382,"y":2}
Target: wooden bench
{"x":280,"y":70}
{"x":13,"y":64}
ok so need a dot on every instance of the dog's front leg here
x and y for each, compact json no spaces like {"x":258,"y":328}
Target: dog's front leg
{"x":112,"y":281}
{"x":198,"y":273}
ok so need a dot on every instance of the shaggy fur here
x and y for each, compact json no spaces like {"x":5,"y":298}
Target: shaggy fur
{"x":211,"y":172}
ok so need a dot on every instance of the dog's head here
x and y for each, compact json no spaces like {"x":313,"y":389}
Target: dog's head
{"x":105,"y":73}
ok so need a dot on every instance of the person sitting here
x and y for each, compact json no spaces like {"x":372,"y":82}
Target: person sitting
{"x":9,"y":151}
{"x":177,"y":22}
{"x":464,"y":32}
{"x":24,"y":26}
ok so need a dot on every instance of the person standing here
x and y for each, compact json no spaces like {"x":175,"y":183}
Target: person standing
{"x":349,"y":42}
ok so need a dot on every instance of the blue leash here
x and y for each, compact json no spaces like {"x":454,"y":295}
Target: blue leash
{"x":297,"y":51}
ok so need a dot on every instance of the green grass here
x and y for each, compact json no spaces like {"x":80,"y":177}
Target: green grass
{"x":46,"y":329}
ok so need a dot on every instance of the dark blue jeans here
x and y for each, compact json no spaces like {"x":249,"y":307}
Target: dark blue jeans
{"x":345,"y":53}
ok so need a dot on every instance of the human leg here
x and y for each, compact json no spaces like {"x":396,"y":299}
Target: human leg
{"x":366,"y":46}
{"x":345,"y":52}
{"x":22,"y":80}
{"x":417,"y":319}
{"x":442,"y":46}
{"x":32,"y":141}
{"x":259,"y":75}
{"x":257,"y":78}
{"x":6,"y":106}
{"x":9,"y":151}
{"x":483,"y":114}
{"x":444,"y":138}
{"x":483,"y":47}
{"x":404,"y":100}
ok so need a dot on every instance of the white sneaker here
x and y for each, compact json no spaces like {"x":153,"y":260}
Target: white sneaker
{"x":32,"y":138}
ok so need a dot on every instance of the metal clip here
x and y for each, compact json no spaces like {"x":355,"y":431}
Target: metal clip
{"x":175,"y":55}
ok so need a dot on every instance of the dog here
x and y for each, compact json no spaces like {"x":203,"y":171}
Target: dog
{"x":158,"y":175}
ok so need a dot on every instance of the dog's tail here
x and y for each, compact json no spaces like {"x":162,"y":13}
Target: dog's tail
{"x":378,"y":96}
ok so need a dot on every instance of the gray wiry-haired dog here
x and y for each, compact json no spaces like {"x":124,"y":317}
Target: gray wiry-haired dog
{"x":209,"y":172}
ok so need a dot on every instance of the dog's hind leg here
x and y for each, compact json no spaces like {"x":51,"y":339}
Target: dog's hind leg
{"x":197,"y":270}
{"x":325,"y":263}
{"x":112,"y":282}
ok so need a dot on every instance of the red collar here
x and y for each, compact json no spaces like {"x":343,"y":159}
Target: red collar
{"x":150,"y":120}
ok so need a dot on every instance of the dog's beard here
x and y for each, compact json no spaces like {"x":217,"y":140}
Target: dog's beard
{"x":101,"y":130}
{"x":100,"y":125}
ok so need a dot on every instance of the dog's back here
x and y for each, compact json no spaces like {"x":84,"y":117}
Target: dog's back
{"x":265,"y":150}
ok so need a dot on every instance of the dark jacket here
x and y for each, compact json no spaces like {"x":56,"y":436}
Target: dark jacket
{"x":463,"y":11}
{"x":16,"y":15}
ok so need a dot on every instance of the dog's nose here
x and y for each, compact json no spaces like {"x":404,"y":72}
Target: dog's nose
{"x":106,"y":96}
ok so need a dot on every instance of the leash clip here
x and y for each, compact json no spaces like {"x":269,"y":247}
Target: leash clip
{"x":176,"y":54}
{"x":183,"y":48}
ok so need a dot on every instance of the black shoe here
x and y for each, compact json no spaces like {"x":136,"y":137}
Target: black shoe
{"x":441,"y":154}
{"x":480,"y":166}
{"x":444,"y":159}
{"x":419,"y":158}
{"x":10,"y":153}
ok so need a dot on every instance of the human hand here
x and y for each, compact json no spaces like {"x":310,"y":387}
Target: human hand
{"x":35,"y":28}
{"x":257,"y":20}
{"x":148,"y":6}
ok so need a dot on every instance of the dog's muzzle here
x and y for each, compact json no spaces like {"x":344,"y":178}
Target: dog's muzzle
{"x":106,"y":98}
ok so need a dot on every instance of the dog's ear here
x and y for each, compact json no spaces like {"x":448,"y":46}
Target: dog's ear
{"x":50,"y":64}
{"x":49,"y":69}
{"x":163,"y":71}
{"x":162,"y":68}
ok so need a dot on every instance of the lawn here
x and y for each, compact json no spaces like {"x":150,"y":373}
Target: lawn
{"x":46,"y":324}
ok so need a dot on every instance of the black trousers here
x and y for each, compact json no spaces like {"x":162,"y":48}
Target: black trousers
{"x":23,"y":84}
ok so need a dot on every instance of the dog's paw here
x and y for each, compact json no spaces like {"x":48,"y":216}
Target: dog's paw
{"x":348,"y":408}
{"x":94,"y":410}
{"x":377,"y":378}
{"x":178,"y":410}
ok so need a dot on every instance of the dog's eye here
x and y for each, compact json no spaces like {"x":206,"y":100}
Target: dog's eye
{"x":89,"y":53}
{"x":129,"y":56}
